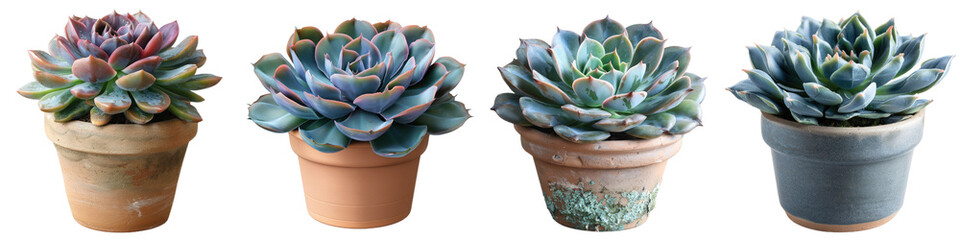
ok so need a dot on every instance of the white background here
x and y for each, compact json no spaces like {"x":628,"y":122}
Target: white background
{"x":240,"y":181}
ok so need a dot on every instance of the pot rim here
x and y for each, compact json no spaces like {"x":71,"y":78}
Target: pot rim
{"x":842,"y":130}
{"x":607,"y":154}
{"x":306,"y":152}
{"x":123,"y":139}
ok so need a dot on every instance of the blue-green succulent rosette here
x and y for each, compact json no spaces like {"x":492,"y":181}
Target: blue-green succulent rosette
{"x":840,"y":74}
{"x":375,"y":83}
{"x":610,"y":82}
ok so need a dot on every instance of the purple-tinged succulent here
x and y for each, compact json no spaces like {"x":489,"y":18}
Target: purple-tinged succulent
{"x":364,"y":82}
{"x":118,"y":64}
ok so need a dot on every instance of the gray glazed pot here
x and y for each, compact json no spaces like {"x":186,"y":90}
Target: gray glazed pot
{"x":841,"y":179}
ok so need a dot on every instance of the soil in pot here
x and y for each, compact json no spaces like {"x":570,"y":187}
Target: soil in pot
{"x":355,"y":187}
{"x":841,"y":179}
{"x":605,"y":186}
{"x":120,"y":177}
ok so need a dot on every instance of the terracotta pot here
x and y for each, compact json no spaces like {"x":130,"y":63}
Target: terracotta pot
{"x":120,"y":177}
{"x":605,"y":186}
{"x":355,"y":187}
{"x":841,"y":179}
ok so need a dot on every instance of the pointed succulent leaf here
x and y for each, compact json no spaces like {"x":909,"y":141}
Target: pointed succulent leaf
{"x":151,"y":101}
{"x":637,"y":32}
{"x":124,"y":56}
{"x":86,"y":90}
{"x":580,"y":135}
{"x":363,"y":126}
{"x":859,"y":101}
{"x":592,"y":92}
{"x":673,"y":53}
{"x":409,"y":107}
{"x":99,"y":118}
{"x":43,"y":61}
{"x":113,"y":100}
{"x":421,"y":52}
{"x":763,"y":81}
{"x":444,"y":117}
{"x":72,"y":111}
{"x":148,"y":64}
{"x":267,"y":66}
{"x":588,"y":49}
{"x":917,"y":106}
{"x":356,"y":28}
{"x":455,"y":73}
{"x":50,"y":80}
{"x":186,"y":48}
{"x":507,"y":106}
{"x":850,"y":75}
{"x":751,"y":94}
{"x":540,"y":61}
{"x":136,"y":81}
{"x":633,"y":79}
{"x":413,"y":33}
{"x":602,"y":29}
{"x":585,"y":115}
{"x":377,"y":102}
{"x":888,"y":71}
{"x":93,"y":70}
{"x":620,"y":124}
{"x":323,"y":136}
{"x":302,"y":52}
{"x":543,"y":115}
{"x":649,"y":51}
{"x":626,"y":102}
{"x":35,"y":90}
{"x":200,"y":81}
{"x":911,"y":50}
{"x":184,"y":110}
{"x":399,"y":140}
{"x":619,"y":44}
{"x":267,"y":114}
{"x":56,"y":101}
{"x":699,"y":89}
{"x":661,"y":102}
{"x":352,"y":86}
{"x":821,"y":94}
{"x":804,"y":119}
{"x":328,"y":108}
{"x":170,"y":32}
{"x":801,"y":106}
{"x":135,"y":115}
{"x":914,"y":83}
{"x":565,"y":47}
{"x":175,"y":76}
{"x":550,"y":91}
{"x":894,"y":105}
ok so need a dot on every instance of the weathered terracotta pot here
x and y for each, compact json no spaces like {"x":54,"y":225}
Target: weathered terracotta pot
{"x":120,"y":177}
{"x":605,"y":186}
{"x":355,"y":187}
{"x":841,"y":179}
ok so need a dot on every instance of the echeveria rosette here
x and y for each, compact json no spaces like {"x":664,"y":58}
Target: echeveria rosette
{"x":608,"y":80}
{"x":842,"y":72}
{"x":363,"y":82}
{"x":118,"y":64}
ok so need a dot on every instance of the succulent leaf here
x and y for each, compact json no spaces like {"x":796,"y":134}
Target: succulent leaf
{"x":444,"y":117}
{"x":323,"y":136}
{"x":399,"y":140}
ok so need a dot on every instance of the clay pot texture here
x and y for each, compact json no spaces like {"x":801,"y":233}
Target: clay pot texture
{"x":355,"y":187}
{"x":120,"y":177}
{"x":604,"y":186}
{"x":841,"y":179}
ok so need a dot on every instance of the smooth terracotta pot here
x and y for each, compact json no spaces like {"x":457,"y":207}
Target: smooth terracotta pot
{"x":120,"y":177}
{"x":355,"y":187}
{"x":841,"y":179}
{"x":605,"y":186}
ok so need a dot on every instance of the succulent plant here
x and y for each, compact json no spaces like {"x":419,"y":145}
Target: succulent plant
{"x":364,"y":82}
{"x":118,"y":64}
{"x":842,"y":73}
{"x":609,"y":80}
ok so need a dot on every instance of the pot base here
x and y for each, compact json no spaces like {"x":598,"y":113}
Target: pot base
{"x":839,"y":228}
{"x":358,"y":225}
{"x":158,"y":223}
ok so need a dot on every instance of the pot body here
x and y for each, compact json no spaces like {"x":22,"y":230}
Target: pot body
{"x":120,"y":177}
{"x":605,"y":186}
{"x":841,"y":178}
{"x":355,"y":187}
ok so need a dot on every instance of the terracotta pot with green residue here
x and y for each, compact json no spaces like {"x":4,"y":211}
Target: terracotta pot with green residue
{"x":605,"y":186}
{"x":120,"y":177}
